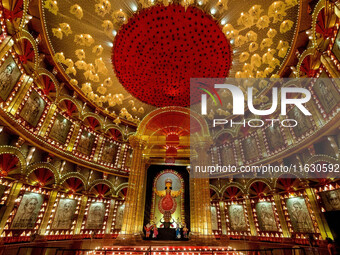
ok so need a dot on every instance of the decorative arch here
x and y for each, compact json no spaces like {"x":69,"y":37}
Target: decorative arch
{"x":214,"y":192}
{"x":102,"y":182}
{"x":42,"y":177}
{"x":5,"y":149}
{"x":308,"y":64}
{"x":92,"y":120}
{"x":259,"y":188}
{"x":287,"y":182}
{"x":190,"y":118}
{"x":114,"y":132}
{"x":71,"y":105}
{"x":73,"y":185}
{"x":325,"y":158}
{"x":224,"y":133}
{"x":76,"y":175}
{"x":8,"y":163}
{"x":121,"y":187}
{"x":232,"y":191}
{"x":101,"y":190}
{"x":122,"y":193}
{"x":27,"y":50}
{"x":323,"y":22}
{"x":44,"y":165}
{"x":47,"y":84}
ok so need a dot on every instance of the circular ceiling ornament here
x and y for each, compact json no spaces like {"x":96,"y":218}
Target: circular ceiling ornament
{"x":157,"y":52}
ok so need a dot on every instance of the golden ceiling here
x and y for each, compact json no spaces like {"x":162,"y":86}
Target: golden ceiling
{"x":81,"y":36}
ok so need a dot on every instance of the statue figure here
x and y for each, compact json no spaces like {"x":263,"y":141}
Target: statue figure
{"x":148,"y":229}
{"x":185,"y":231}
{"x":167,"y":204}
{"x":155,"y":231}
{"x":178,"y":229}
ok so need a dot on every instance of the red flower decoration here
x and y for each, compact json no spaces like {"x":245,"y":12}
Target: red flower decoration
{"x":157,"y":52}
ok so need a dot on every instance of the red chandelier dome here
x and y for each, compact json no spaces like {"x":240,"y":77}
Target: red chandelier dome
{"x":157,"y":52}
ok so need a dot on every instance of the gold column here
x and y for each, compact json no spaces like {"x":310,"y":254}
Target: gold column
{"x":250,"y":217}
{"x":134,"y":209}
{"x":193,"y":225}
{"x":19,"y":96}
{"x":223,"y":221}
{"x":73,"y":137}
{"x":13,"y":195}
{"x":285,"y":230}
{"x":81,"y":214}
{"x":99,"y":145}
{"x":200,"y":195}
{"x":47,"y":120}
{"x":320,"y":219}
{"x":51,"y":201}
{"x":110,"y":217}
{"x":141,"y":199}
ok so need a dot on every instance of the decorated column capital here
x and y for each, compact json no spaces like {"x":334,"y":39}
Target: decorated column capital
{"x":137,"y":142}
{"x":202,"y":143}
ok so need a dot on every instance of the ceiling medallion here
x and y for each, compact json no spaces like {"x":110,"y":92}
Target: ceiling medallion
{"x":160,"y":48}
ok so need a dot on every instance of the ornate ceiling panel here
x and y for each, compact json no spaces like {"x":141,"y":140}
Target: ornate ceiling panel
{"x":82,"y":36}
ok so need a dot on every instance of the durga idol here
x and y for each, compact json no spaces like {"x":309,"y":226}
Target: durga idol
{"x":167,"y":204}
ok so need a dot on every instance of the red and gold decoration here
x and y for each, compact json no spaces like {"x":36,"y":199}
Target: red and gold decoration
{"x":155,"y":62}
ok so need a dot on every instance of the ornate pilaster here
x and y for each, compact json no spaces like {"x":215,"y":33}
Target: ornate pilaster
{"x":99,"y":145}
{"x":81,"y":214}
{"x":110,"y":217}
{"x":201,"y":228}
{"x":13,"y":195}
{"x":277,"y":200}
{"x":49,"y":207}
{"x":20,"y":94}
{"x":223,"y":217}
{"x":73,"y":137}
{"x":47,"y":120}
{"x":250,"y":217}
{"x":134,"y":208}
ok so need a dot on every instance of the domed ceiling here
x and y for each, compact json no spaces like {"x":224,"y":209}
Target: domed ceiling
{"x":129,"y":57}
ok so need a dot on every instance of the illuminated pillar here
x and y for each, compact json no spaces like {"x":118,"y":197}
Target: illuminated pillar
{"x":13,"y":195}
{"x":320,"y":219}
{"x":20,"y":94}
{"x":223,"y":217}
{"x":47,"y":120}
{"x":73,"y":137}
{"x":110,"y":217}
{"x":134,"y":209}
{"x":141,"y":199}
{"x":250,"y":217}
{"x":49,"y":207}
{"x":200,"y":196}
{"x":98,"y":148}
{"x":285,"y":230}
{"x":81,"y":214}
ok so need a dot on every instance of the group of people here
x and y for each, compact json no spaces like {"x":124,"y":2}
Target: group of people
{"x":151,"y":227}
{"x":151,"y":230}
{"x":184,"y":230}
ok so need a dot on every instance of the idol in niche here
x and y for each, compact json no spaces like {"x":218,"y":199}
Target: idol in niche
{"x":167,"y":204}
